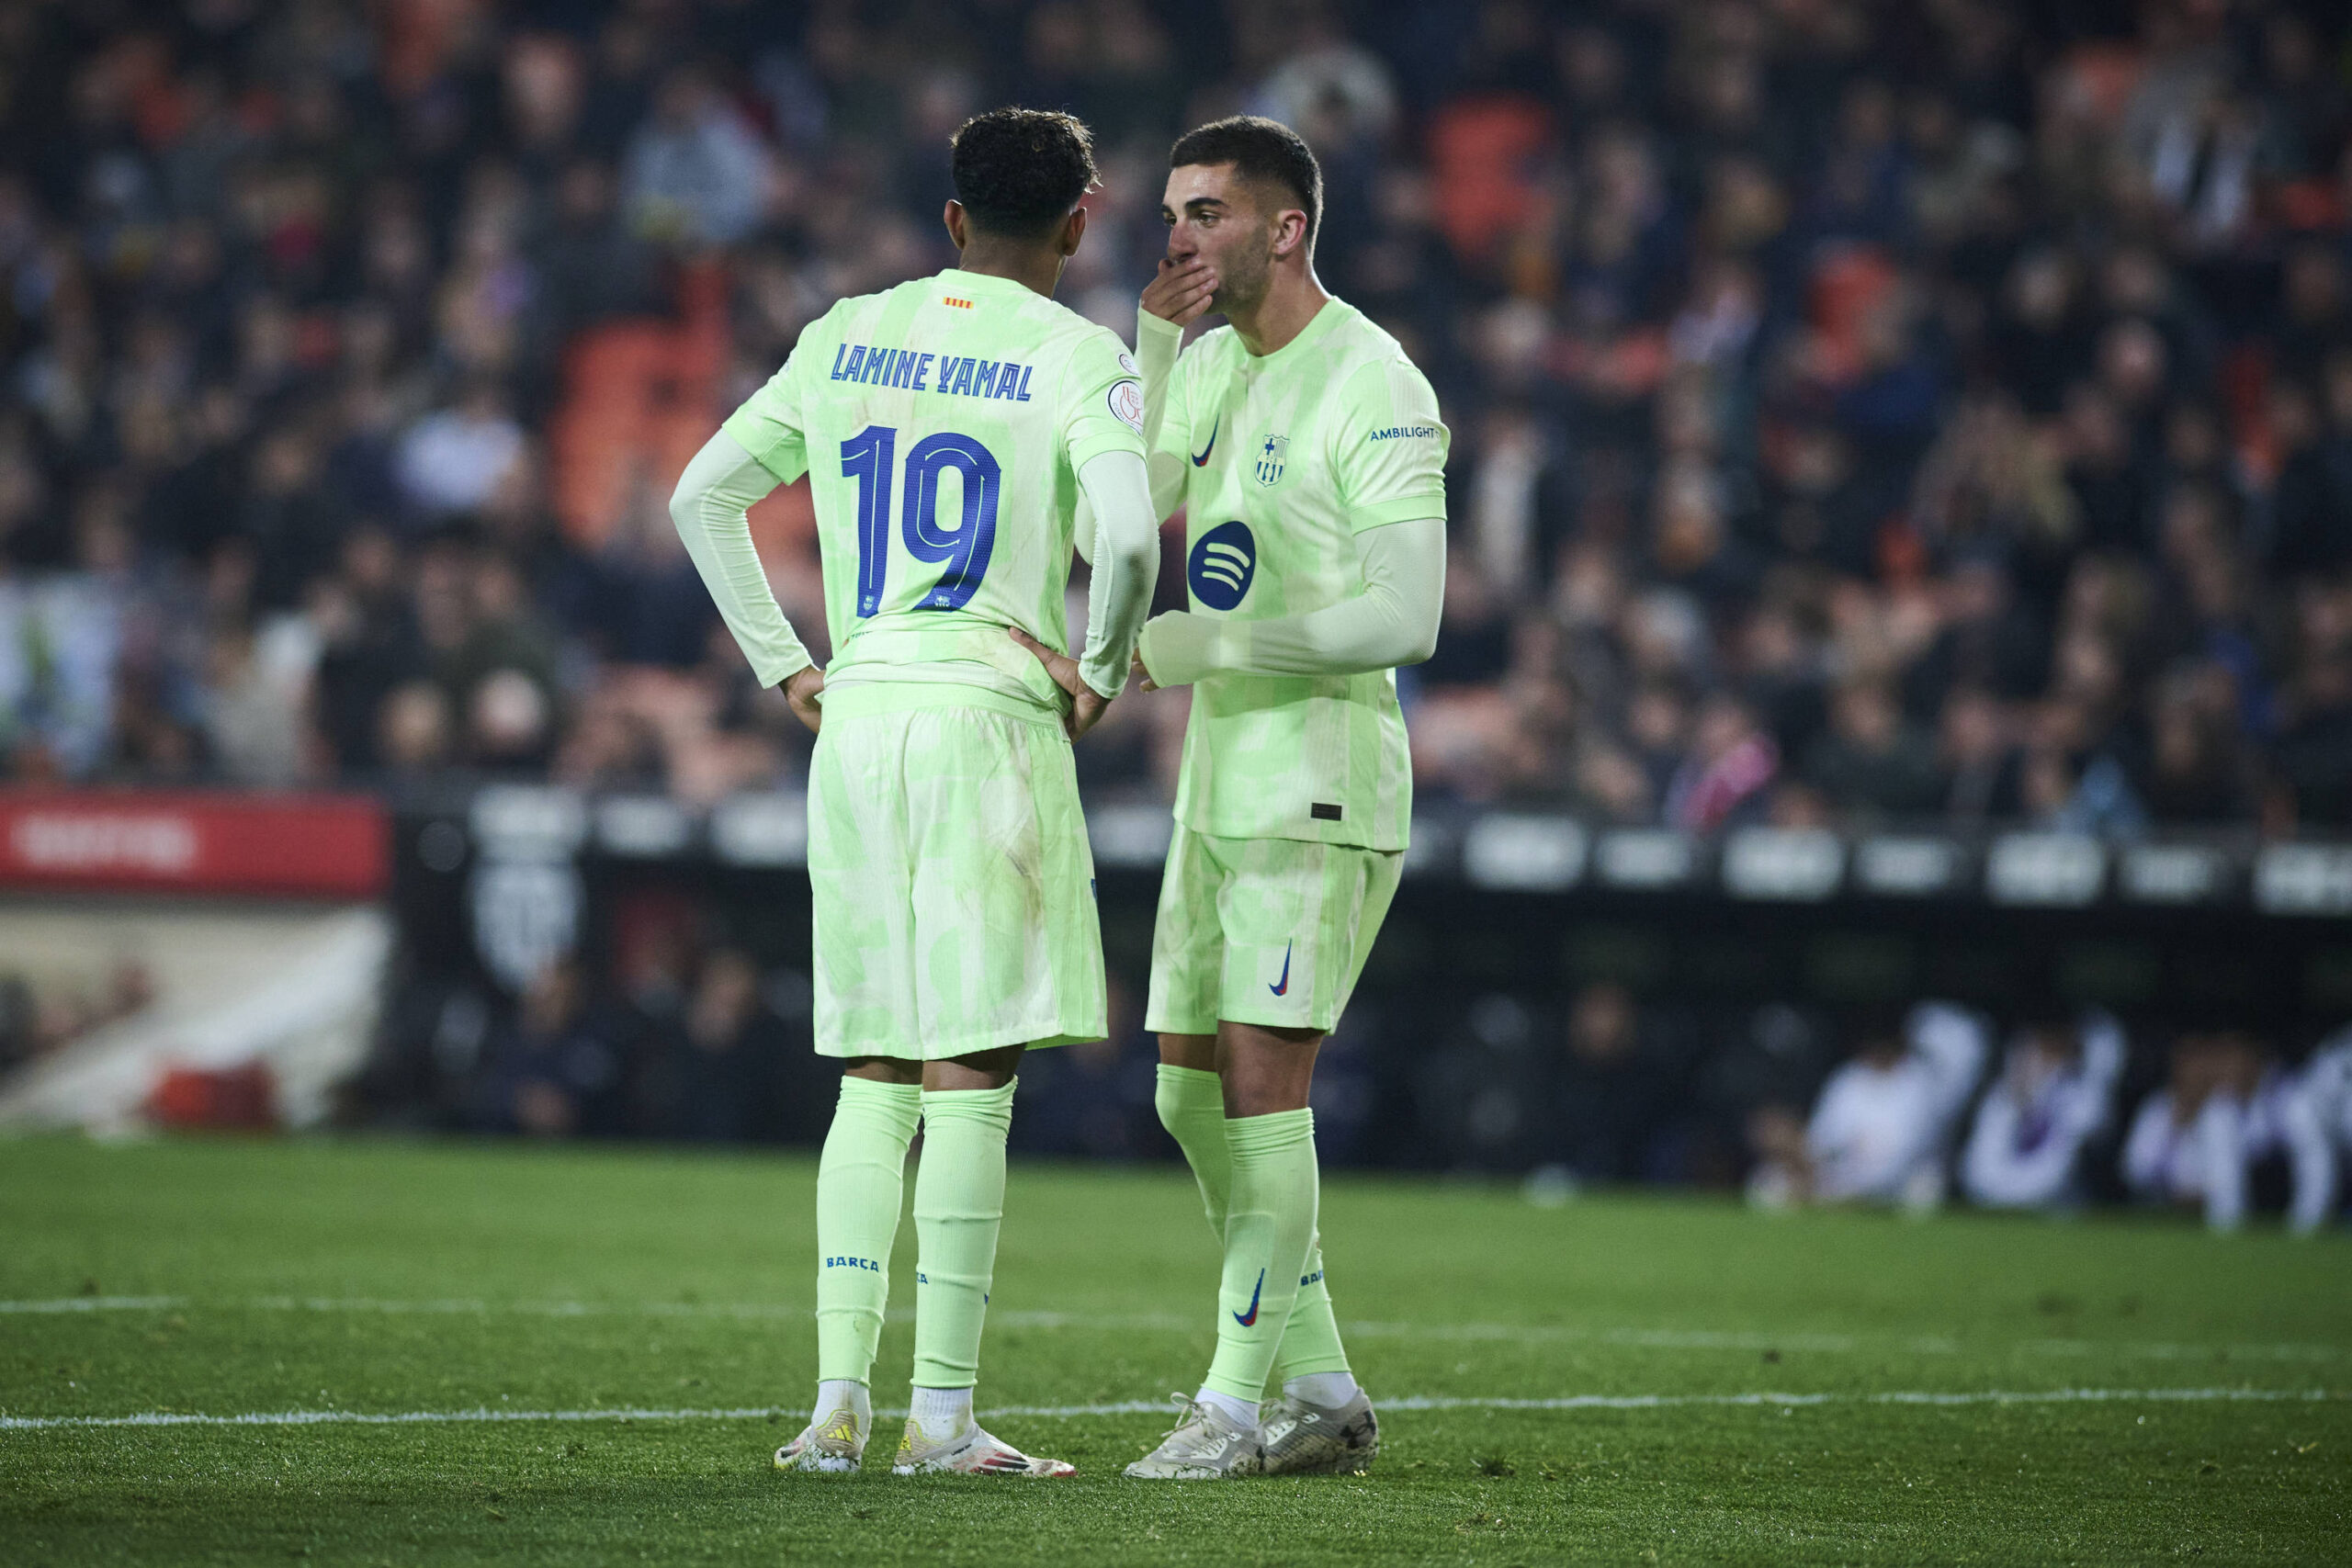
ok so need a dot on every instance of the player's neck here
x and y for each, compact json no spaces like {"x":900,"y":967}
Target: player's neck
{"x":1291,"y":302}
{"x":1034,"y":267}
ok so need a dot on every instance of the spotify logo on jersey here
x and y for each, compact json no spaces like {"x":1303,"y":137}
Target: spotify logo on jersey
{"x":1222,"y":563}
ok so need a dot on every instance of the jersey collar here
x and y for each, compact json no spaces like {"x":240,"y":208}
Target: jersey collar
{"x":1322,"y":322}
{"x":982,"y":282}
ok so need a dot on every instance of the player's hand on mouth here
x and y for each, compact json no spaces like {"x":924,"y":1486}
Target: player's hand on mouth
{"x":1086,"y":703}
{"x":800,"y":690}
{"x":1182,"y":290}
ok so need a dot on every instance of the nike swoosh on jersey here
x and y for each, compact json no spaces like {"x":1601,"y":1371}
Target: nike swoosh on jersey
{"x":1250,"y":1318}
{"x":1282,"y":986}
{"x":1202,"y":460}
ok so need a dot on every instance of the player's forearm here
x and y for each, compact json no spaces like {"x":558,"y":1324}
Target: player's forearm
{"x":1394,"y":621}
{"x":1158,"y":343}
{"x":1126,"y":560}
{"x":1166,"y":472}
{"x":709,"y":507}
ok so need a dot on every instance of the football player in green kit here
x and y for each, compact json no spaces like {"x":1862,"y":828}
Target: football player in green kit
{"x":951,"y":428}
{"x":1307,"y":454}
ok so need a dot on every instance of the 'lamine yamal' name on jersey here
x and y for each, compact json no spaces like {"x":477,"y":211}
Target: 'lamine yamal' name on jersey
{"x":960,"y":375}
{"x":1286,"y":458}
{"x":941,"y":425}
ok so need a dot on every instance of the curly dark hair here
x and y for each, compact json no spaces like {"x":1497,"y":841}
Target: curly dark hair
{"x":1258,"y":149}
{"x":1018,"y":172}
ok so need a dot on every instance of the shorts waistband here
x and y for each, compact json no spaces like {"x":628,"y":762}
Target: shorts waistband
{"x":869,"y":697}
{"x":986,"y":644}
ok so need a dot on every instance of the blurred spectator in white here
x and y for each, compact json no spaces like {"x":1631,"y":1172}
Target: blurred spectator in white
{"x":1880,"y":1131}
{"x":453,"y":458}
{"x":1501,"y":511}
{"x":2325,"y":1090}
{"x":2055,"y":1093}
{"x":696,"y":173}
{"x":2187,"y":1144}
{"x":2285,"y":1126}
{"x":258,"y":691}
{"x":2224,"y":1111}
{"x":60,"y":638}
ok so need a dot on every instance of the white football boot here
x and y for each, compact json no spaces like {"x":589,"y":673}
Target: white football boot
{"x":969,"y":1452}
{"x":1304,"y":1438}
{"x":1204,"y":1444}
{"x":831,"y":1445}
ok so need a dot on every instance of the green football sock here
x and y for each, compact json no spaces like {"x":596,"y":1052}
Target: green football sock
{"x":1310,"y":1341}
{"x":960,"y":1204}
{"x":1268,"y":1228}
{"x":1191,"y":1107}
{"x":860,"y":1178}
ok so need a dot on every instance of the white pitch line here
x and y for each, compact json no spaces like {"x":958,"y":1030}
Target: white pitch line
{"x":95,"y":1304}
{"x":465,"y":1305}
{"x":1927,"y":1397}
{"x":1510,"y":1333}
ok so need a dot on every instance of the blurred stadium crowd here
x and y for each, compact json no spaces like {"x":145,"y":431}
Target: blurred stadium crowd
{"x":1861,"y":411}
{"x":2049,"y":1110}
{"x":1904,"y":1108}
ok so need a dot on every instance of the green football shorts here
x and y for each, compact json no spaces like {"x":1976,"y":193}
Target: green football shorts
{"x":1263,"y":930}
{"x":952,"y":884}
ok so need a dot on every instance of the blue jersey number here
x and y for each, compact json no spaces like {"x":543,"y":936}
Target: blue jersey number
{"x":867,"y":458}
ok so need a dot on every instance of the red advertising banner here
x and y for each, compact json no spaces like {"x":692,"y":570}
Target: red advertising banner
{"x":301,"y":845}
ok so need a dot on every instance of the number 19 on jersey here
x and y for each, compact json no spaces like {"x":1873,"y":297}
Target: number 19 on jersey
{"x":869,"y":457}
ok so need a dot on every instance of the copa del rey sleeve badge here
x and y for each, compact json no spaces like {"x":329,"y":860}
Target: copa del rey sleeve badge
{"x":1126,"y":405}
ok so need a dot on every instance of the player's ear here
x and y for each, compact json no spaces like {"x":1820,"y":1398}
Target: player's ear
{"x":957,"y":224}
{"x":1290,"y":231}
{"x":1073,"y":231}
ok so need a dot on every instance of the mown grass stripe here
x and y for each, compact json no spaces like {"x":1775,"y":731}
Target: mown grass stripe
{"x":1929,"y":1397}
{"x":1637,"y":1338}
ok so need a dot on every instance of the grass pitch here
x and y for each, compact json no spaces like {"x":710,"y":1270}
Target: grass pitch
{"x":589,"y":1354}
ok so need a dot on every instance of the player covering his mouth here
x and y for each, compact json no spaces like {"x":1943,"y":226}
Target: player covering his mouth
{"x":1308,"y":456}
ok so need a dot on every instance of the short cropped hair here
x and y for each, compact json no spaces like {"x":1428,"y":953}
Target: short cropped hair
{"x":1019,"y":172}
{"x":1258,"y":149}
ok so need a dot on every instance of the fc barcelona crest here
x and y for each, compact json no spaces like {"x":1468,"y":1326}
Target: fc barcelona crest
{"x":1274,"y":451}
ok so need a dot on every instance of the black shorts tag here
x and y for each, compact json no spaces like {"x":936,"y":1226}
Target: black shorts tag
{"x":1324,"y":811}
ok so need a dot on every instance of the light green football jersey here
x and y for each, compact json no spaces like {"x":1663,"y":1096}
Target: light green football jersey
{"x":941,"y":425}
{"x":1287,"y":457}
